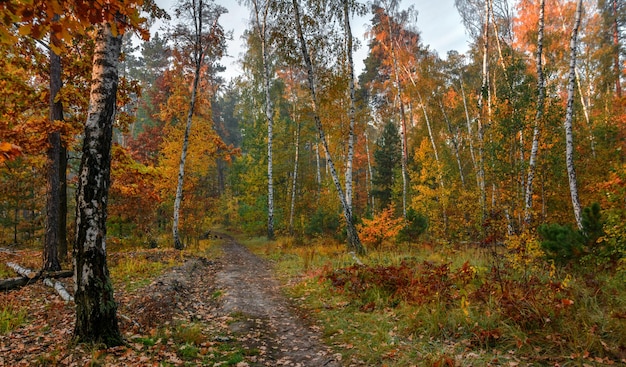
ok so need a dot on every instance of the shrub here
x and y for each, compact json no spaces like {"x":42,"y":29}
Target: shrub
{"x":564,"y":244}
{"x":324,"y":221}
{"x":383,"y":227}
{"x":416,"y":224}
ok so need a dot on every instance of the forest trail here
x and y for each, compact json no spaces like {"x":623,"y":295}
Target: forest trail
{"x":262,"y":316}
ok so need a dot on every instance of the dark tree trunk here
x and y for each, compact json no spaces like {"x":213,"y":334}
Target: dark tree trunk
{"x":96,"y":310}
{"x":62,"y":248}
{"x":53,"y":186}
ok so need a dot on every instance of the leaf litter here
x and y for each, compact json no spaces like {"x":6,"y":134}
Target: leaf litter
{"x":227,"y":311}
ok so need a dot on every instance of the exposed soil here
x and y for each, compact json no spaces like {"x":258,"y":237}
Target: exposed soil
{"x":234,"y":302}
{"x":265,"y":319}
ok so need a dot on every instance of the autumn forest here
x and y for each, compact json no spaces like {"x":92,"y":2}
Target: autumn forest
{"x":436,"y":210}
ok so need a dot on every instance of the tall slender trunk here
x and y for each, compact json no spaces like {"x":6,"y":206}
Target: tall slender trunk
{"x":541,"y":94}
{"x":354,"y":243}
{"x":616,"y":62}
{"x":455,"y":142}
{"x":260,"y":16}
{"x":470,"y":134}
{"x":53,"y":184}
{"x":352,"y":109}
{"x":484,"y":94}
{"x":183,"y":158}
{"x":96,"y":309}
{"x":294,"y":181}
{"x":198,"y":55}
{"x":569,"y":116}
{"x":63,"y":204}
{"x":403,"y":139}
{"x":370,"y":184}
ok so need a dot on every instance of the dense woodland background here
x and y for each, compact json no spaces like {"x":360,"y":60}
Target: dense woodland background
{"x":481,"y":195}
{"x":445,"y":141}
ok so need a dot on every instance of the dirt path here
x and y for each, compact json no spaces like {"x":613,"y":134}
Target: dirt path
{"x":262,"y":317}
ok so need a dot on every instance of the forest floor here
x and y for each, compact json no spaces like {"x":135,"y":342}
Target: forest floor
{"x":200,"y":310}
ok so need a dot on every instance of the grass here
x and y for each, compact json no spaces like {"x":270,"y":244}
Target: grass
{"x":11,"y":317}
{"x":500,"y":315}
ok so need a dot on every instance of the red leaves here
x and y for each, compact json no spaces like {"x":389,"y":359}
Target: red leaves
{"x":417,"y":283}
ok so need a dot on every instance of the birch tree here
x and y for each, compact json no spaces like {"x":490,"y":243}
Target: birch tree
{"x":541,"y":95}
{"x":354,"y":242}
{"x":260,"y":13}
{"x":203,"y":45}
{"x":96,"y":309}
{"x":351,"y":108}
{"x":569,"y":116}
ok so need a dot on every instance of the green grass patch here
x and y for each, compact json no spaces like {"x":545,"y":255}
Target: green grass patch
{"x":136,"y":270}
{"x":11,"y":318}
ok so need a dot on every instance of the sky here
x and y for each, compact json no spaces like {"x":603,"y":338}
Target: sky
{"x":438,"y":22}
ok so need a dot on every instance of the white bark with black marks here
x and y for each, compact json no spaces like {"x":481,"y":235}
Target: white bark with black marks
{"x":569,"y":116}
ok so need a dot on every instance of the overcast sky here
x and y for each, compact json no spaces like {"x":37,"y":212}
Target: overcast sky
{"x":438,"y":22}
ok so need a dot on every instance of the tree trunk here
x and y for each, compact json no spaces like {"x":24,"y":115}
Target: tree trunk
{"x":541,"y":94}
{"x":403,"y":139}
{"x":484,"y":92}
{"x":96,"y":309}
{"x":569,"y":115}
{"x":354,"y":243}
{"x":261,"y":25}
{"x":370,"y":185}
{"x":294,"y":182}
{"x":351,"y":110}
{"x":616,"y":44}
{"x":53,"y":184}
{"x":198,"y":56}
{"x":62,"y":249}
{"x":455,"y":143}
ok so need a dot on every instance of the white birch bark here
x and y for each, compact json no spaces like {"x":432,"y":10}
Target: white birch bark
{"x":370,"y":178}
{"x":198,"y":56}
{"x":541,"y":93}
{"x":96,"y":309}
{"x":569,"y":116}
{"x":354,"y":243}
{"x":455,"y":143}
{"x":484,"y":92}
{"x":351,"y":109}
{"x":261,"y":11}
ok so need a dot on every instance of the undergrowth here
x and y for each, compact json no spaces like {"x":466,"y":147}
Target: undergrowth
{"x":456,"y":306}
{"x":11,"y":317}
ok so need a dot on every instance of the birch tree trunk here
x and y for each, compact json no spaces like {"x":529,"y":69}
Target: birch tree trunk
{"x":484,"y":92}
{"x":616,"y":44}
{"x":198,"y":55}
{"x":261,"y":12}
{"x":455,"y":142}
{"x":294,"y":182}
{"x":351,"y":110}
{"x":96,"y":309}
{"x":354,"y":243}
{"x":470,"y":134}
{"x":370,"y":184}
{"x":569,"y":116}
{"x":541,"y":94}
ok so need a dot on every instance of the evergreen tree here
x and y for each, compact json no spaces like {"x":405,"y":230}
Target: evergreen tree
{"x":387,"y":157}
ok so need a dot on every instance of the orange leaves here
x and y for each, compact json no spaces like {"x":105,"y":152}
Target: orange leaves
{"x":65,"y":19}
{"x":383,"y":227}
{"x":9,"y":151}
